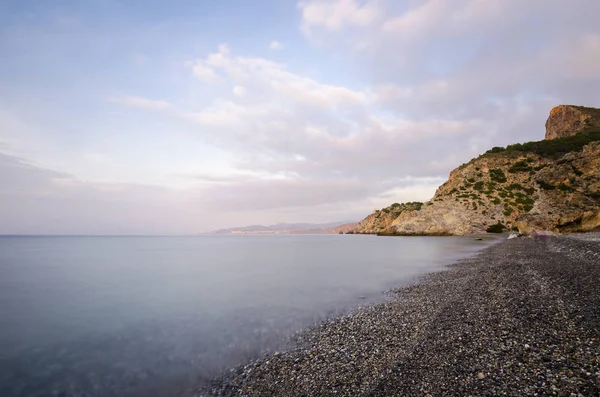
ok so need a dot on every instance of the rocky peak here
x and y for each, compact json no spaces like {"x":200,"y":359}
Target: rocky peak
{"x":568,"y":120}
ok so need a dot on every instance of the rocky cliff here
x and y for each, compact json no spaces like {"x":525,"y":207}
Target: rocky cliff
{"x":568,"y":120}
{"x":381,"y":220}
{"x":552,"y":185}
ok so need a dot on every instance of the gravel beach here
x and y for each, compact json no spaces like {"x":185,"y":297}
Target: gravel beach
{"x":522,"y":318}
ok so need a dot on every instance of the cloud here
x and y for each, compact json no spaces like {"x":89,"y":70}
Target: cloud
{"x":42,"y":201}
{"x":205,"y":73}
{"x":38,"y":200}
{"x":336,"y":15}
{"x":239,"y":91}
{"x":265,"y":194}
{"x":141,"y":103}
{"x":275,"y":45}
{"x":407,"y":92}
{"x":303,"y":144}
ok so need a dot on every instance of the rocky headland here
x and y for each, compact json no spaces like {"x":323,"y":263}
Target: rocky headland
{"x":549,"y":185}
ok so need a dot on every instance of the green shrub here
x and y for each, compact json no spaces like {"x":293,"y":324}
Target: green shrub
{"x":514,"y":186}
{"x":528,"y":201}
{"x":478,"y":186}
{"x":496,"y":149}
{"x":565,"y":188}
{"x":497,"y":175}
{"x":554,"y":148}
{"x":546,"y":186}
{"x":496,"y":201}
{"x":594,"y":195}
{"x":519,"y":166}
{"x":497,"y":228}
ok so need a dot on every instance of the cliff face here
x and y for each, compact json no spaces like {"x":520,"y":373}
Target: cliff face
{"x":568,"y":120}
{"x":570,"y":195}
{"x":380,"y":221}
{"x":524,"y":191}
{"x":550,"y":185}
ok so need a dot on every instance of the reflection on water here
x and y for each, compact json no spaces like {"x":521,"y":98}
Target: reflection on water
{"x":151,"y":316}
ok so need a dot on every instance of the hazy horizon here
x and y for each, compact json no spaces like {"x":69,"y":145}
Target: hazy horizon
{"x":161,"y":118}
{"x":210,"y":232}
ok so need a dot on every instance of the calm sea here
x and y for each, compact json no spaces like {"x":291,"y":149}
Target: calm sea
{"x":154,"y":316}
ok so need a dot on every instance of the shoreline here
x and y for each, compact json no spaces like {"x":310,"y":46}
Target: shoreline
{"x":520,"y":317}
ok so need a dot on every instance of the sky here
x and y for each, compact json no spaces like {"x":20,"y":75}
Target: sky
{"x":185,"y":116}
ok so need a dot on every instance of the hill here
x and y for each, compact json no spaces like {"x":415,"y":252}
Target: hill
{"x":291,"y":228}
{"x":549,"y":185}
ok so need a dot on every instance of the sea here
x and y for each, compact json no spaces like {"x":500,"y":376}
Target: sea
{"x":160,"y":315}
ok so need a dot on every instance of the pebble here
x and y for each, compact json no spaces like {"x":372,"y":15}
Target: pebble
{"x":523,"y":316}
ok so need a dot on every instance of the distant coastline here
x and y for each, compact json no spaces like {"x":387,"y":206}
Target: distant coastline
{"x":292,"y":228}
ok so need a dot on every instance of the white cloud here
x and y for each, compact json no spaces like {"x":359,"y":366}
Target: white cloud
{"x":239,"y":91}
{"x":273,"y":79}
{"x":141,"y":102}
{"x":443,"y":92}
{"x":338,"y":14}
{"x":275,"y":45}
{"x":205,"y":73}
{"x":290,"y":123}
{"x":220,"y":114}
{"x":416,"y":88}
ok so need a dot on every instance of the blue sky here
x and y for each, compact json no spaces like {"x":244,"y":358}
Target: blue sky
{"x":186,"y":116}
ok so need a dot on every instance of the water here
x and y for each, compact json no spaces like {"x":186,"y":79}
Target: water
{"x":153,"y":316}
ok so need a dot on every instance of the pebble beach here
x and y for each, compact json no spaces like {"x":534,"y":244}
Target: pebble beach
{"x":521,"y":318}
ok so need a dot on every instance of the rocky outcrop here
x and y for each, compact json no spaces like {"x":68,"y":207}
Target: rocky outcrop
{"x":569,"y":195}
{"x":380,"y":221}
{"x":551,"y":185}
{"x":568,"y":120}
{"x":526,"y":192}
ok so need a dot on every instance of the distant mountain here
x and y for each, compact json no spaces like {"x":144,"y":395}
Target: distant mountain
{"x":291,"y":228}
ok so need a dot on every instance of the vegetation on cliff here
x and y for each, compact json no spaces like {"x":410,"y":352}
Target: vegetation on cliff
{"x":380,"y":220}
{"x":544,"y":185}
{"x":551,"y":148}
